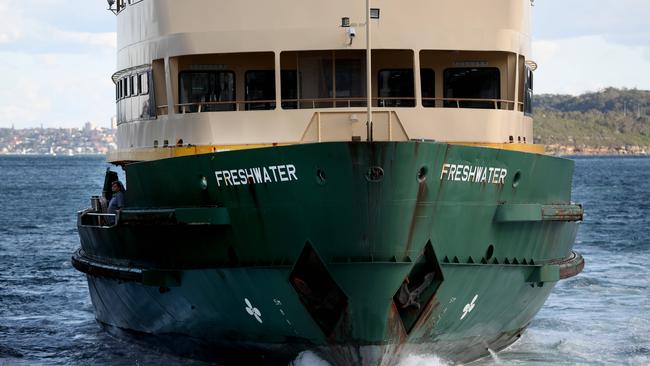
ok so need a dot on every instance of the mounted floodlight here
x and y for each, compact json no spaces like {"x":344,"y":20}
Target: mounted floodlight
{"x":351,"y":34}
{"x":345,"y":22}
{"x":110,"y":6}
{"x":374,"y":13}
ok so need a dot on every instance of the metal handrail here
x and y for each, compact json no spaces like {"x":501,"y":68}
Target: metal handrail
{"x":459,"y":100}
{"x":201,"y":106}
{"x":99,"y":219}
{"x":99,"y":214}
{"x":347,"y":99}
{"x":183,"y":106}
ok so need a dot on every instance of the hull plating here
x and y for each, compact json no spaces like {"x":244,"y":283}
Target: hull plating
{"x":360,"y":252}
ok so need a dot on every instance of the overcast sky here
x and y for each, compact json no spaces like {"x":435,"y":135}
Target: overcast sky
{"x":56,"y":57}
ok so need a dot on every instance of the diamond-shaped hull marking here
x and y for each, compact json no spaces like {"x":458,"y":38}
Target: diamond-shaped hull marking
{"x":319,"y":293}
{"x":418,"y":288}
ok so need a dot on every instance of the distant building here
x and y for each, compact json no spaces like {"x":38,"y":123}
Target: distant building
{"x":88,"y":126}
{"x":113,"y":122}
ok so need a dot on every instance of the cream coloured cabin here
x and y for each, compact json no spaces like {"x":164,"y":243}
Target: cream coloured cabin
{"x":198,"y":76}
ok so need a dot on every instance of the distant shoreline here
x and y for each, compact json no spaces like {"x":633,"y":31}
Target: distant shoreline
{"x":565,"y":152}
{"x":50,"y":155}
{"x":582,"y":150}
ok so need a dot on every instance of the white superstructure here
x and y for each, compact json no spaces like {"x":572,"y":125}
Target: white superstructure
{"x":204,"y":75}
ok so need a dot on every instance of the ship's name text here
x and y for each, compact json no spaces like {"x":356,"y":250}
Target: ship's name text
{"x":265,"y":174}
{"x":473,"y":174}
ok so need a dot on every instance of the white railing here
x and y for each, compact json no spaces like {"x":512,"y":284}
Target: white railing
{"x":350,"y":102}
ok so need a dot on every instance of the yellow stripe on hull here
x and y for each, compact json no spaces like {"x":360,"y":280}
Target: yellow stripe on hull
{"x":528,"y":148}
{"x":146,"y":154}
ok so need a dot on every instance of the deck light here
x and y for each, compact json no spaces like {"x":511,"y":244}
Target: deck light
{"x":345,"y":22}
{"x":110,"y":6}
{"x":374,"y":13}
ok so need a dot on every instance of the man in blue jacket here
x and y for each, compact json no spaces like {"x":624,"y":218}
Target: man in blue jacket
{"x":117,"y":200}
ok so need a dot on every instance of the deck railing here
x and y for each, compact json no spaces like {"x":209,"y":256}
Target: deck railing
{"x":90,"y":218}
{"x":349,"y":102}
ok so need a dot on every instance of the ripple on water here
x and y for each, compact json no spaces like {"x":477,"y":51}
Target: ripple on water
{"x":6,"y":351}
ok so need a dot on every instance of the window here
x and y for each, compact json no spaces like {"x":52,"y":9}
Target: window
{"x":428,"y":84}
{"x":307,"y":79}
{"x":117,"y":91}
{"x":210,"y":90}
{"x":127,"y":89}
{"x":260,"y":85}
{"x":472,"y":83}
{"x":393,"y":85}
{"x":528,"y":96}
{"x":143,"y":83}
{"x":316,"y":82}
{"x":132,"y":84}
{"x":350,"y":80}
{"x":289,"y":88}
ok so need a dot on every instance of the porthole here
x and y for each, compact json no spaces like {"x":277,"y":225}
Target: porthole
{"x":489,"y":252}
{"x":516,"y":179}
{"x":321,"y":177}
{"x":422,"y":174}
{"x":375,"y":174}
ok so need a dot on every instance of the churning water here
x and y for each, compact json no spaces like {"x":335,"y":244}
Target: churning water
{"x":601,"y":316}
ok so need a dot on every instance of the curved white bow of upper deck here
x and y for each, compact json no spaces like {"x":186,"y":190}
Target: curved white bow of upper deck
{"x":164,"y":43}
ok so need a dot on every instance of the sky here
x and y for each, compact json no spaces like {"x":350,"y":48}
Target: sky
{"x":56,"y":57}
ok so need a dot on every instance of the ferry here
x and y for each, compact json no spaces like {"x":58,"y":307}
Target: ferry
{"x":354,"y":179}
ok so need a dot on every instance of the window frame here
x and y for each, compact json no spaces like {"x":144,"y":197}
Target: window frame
{"x":127,"y":88}
{"x":248,"y":106}
{"x":396,"y":103}
{"x":487,"y":104}
{"x":288,"y":102}
{"x":143,"y":83}
{"x":133,"y":86}
{"x":232,"y":102}
{"x":528,"y":91}
{"x":427,"y":103}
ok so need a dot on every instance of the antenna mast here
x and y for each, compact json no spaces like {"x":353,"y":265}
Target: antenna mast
{"x":368,"y":73}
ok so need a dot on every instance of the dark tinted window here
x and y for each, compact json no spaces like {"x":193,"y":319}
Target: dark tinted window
{"x":132,"y":83}
{"x":127,"y":90}
{"x":428,"y":84}
{"x":472,"y":83}
{"x":528,"y":96}
{"x":260,"y":85}
{"x":350,"y":82}
{"x":289,"y":86}
{"x":393,"y":85}
{"x":207,"y":90}
{"x":143,"y":83}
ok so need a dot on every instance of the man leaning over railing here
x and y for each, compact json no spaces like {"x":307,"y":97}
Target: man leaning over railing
{"x":117,"y":200}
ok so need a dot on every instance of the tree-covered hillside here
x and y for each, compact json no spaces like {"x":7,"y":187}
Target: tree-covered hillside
{"x":608,"y":121}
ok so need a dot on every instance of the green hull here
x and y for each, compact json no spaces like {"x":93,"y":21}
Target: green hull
{"x":358,"y":251}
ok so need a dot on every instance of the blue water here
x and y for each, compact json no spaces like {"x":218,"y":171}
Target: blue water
{"x":600,"y":317}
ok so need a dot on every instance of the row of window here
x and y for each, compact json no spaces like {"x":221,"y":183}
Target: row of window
{"x":215,"y":90}
{"x":132,"y":85}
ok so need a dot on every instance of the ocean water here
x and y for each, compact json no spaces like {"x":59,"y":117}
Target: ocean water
{"x":600,"y":317}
